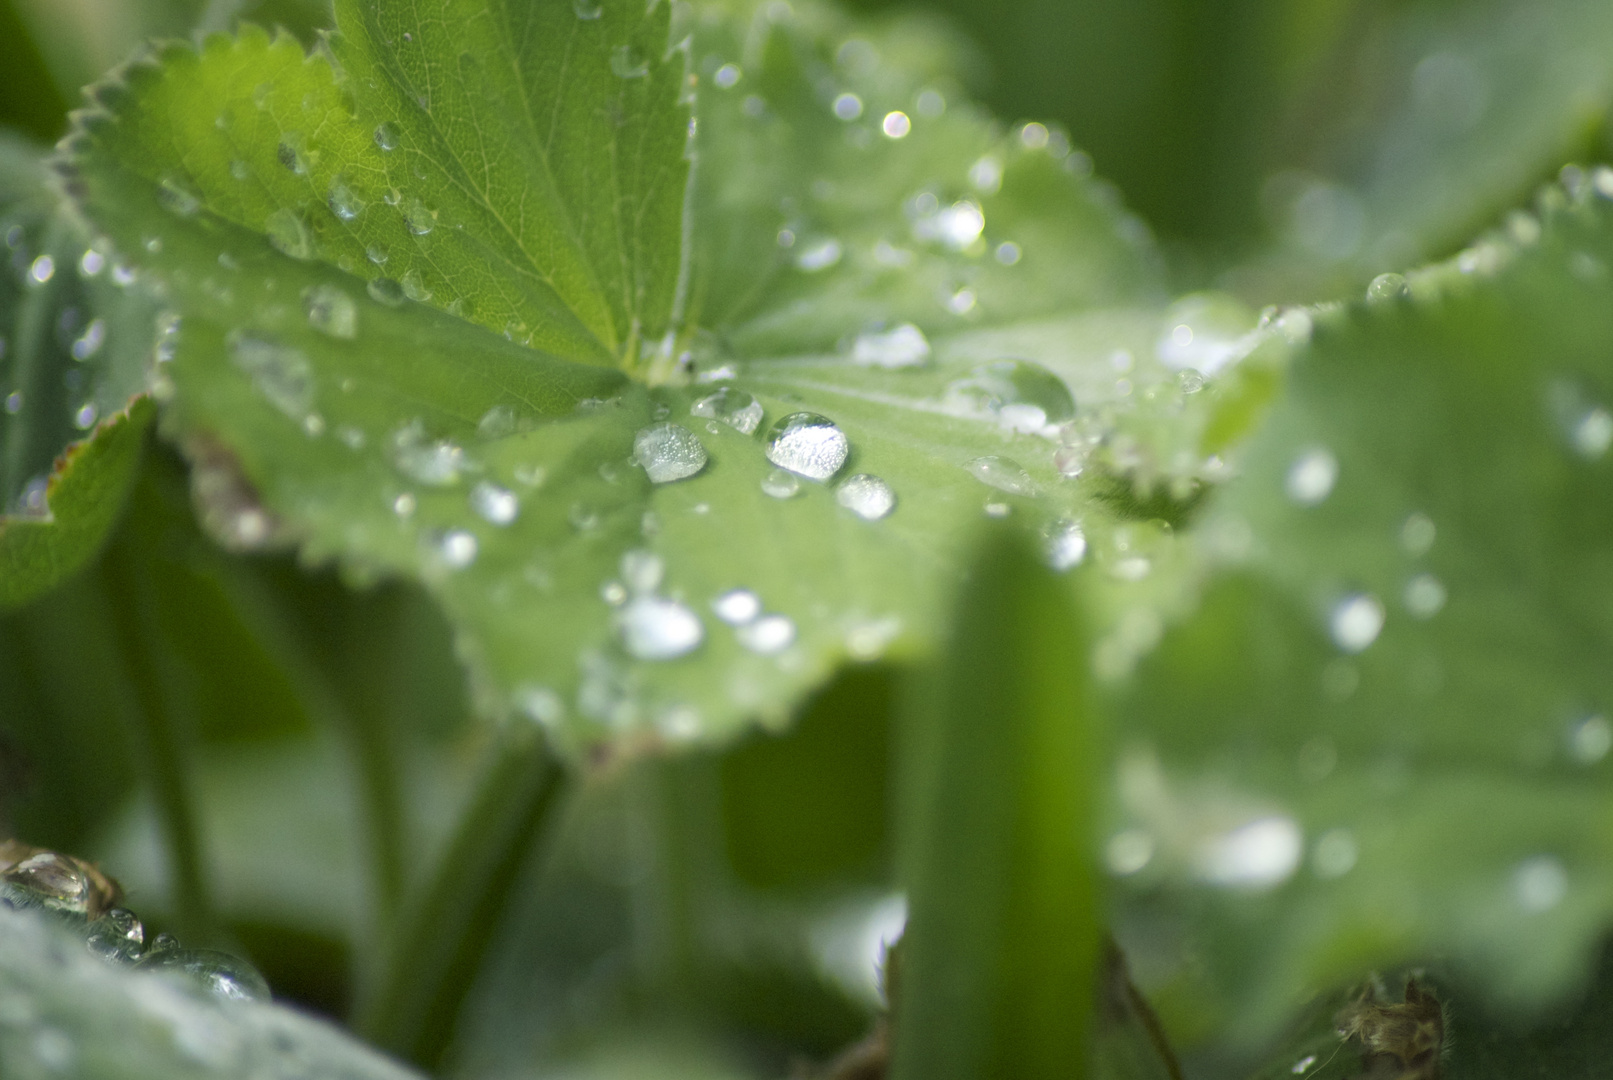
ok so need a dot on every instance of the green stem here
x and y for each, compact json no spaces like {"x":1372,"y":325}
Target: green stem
{"x":274,"y":624}
{"x":440,"y":942}
{"x":160,"y":749}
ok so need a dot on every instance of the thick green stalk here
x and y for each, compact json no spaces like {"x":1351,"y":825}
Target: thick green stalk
{"x":440,"y":942}
{"x":1000,"y":961}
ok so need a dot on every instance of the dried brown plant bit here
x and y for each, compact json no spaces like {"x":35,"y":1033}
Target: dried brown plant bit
{"x":1397,"y":1041}
{"x":56,"y":881}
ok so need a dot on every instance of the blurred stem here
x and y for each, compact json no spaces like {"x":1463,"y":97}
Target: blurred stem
{"x":160,"y":750}
{"x":439,"y":944}
{"x":266,"y":613}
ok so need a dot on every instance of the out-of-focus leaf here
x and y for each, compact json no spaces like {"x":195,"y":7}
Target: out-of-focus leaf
{"x":1000,"y":961}
{"x":1384,"y":737}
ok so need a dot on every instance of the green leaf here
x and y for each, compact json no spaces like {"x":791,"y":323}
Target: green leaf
{"x":1000,"y":960}
{"x":248,"y":182}
{"x":73,"y":346}
{"x":1383,"y":737}
{"x":73,"y":1013}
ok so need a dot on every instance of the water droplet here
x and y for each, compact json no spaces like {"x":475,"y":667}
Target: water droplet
{"x":91,"y":263}
{"x":343,"y":201}
{"x":905,"y":346}
{"x":896,"y":125}
{"x":289,"y":234}
{"x":177,"y":199}
{"x":1356,"y":621}
{"x":1009,"y":390}
{"x":1257,"y":855}
{"x":847,"y":106}
{"x":497,"y":505}
{"x":1424,"y":596}
{"x":653,"y":628}
{"x":418,"y":218}
{"x":413,"y":288}
{"x":117,"y":936}
{"x":330,"y":311}
{"x":1335,"y":854}
{"x":14,"y":402}
{"x":956,"y":227}
{"x":727,"y":76}
{"x":587,"y":10}
{"x":613,"y":593}
{"x":668,"y":452}
{"x":781,"y":485}
{"x":281,"y":374}
{"x":1034,"y":136}
{"x":807,"y":444}
{"x":736,"y":607}
{"x":1004,"y":474}
{"x":85,"y":415}
{"x":1128,"y":852}
{"x":1589,"y":739}
{"x":818,"y":255}
{"x":541,"y":705}
{"x":376,"y":254}
{"x":1311,"y":477}
{"x":1539,"y":883}
{"x":1417,"y":534}
{"x":1065,"y":545}
{"x":50,"y":881}
{"x":767,"y":635}
{"x":437,"y":462}
{"x":736,"y":408}
{"x":404,"y":505}
{"x":995,"y":509}
{"x":867,"y":496}
{"x":384,"y":290}
{"x":387,"y":136}
{"x":1299,"y":1068}
{"x":642,"y":570}
{"x":1190,"y":381}
{"x":496,"y":423}
{"x":220,"y":974}
{"x":89,"y":343}
{"x":1387,"y":288}
{"x":457,"y":549}
{"x":41,"y":270}
{"x":627,"y":62}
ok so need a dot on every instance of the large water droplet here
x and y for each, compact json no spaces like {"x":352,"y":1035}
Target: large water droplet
{"x":807,"y":444}
{"x":1356,"y":621}
{"x":437,"y":462}
{"x":1311,"y":477}
{"x":1387,"y":288}
{"x":1004,"y":474}
{"x":904,"y":346}
{"x":767,"y":635}
{"x":497,"y":505}
{"x":736,"y":408}
{"x":627,"y":62}
{"x":343,"y":201}
{"x":414,"y":287}
{"x":867,"y":496}
{"x":220,"y":974}
{"x":668,"y":452}
{"x":330,"y":311}
{"x":289,"y":234}
{"x":1009,"y":389}
{"x":51,"y":881}
{"x":654,"y":628}
{"x":1258,"y":855}
{"x":281,"y":374}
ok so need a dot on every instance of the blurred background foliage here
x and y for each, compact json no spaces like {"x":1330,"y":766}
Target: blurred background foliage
{"x":721,"y":907}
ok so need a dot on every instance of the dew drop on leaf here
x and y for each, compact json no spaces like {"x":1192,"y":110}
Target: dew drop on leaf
{"x":384,"y":290}
{"x":376,"y":254}
{"x":654,"y":628}
{"x":457,"y":549}
{"x":808,"y":445}
{"x":1387,"y":288}
{"x":1065,"y":545}
{"x":289,"y":234}
{"x":819,"y":255}
{"x":867,"y":496}
{"x":437,"y":462}
{"x":1539,"y":883}
{"x":767,"y":635}
{"x":1589,"y":739}
{"x":627,"y":62}
{"x":494,"y":504}
{"x":330,"y":311}
{"x":1417,"y":534}
{"x":642,"y":570}
{"x":419,"y":218}
{"x":177,"y":199}
{"x":587,"y":10}
{"x":902,"y":347}
{"x":668,"y":452}
{"x":387,"y":136}
{"x":496,"y":422}
{"x":1311,"y":477}
{"x":414,"y":288}
{"x":1424,"y":596}
{"x":736,"y":408}
{"x":343,"y":202}
{"x":1004,"y":474}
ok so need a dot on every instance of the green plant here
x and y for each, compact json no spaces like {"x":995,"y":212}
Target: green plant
{"x":577,"y":505}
